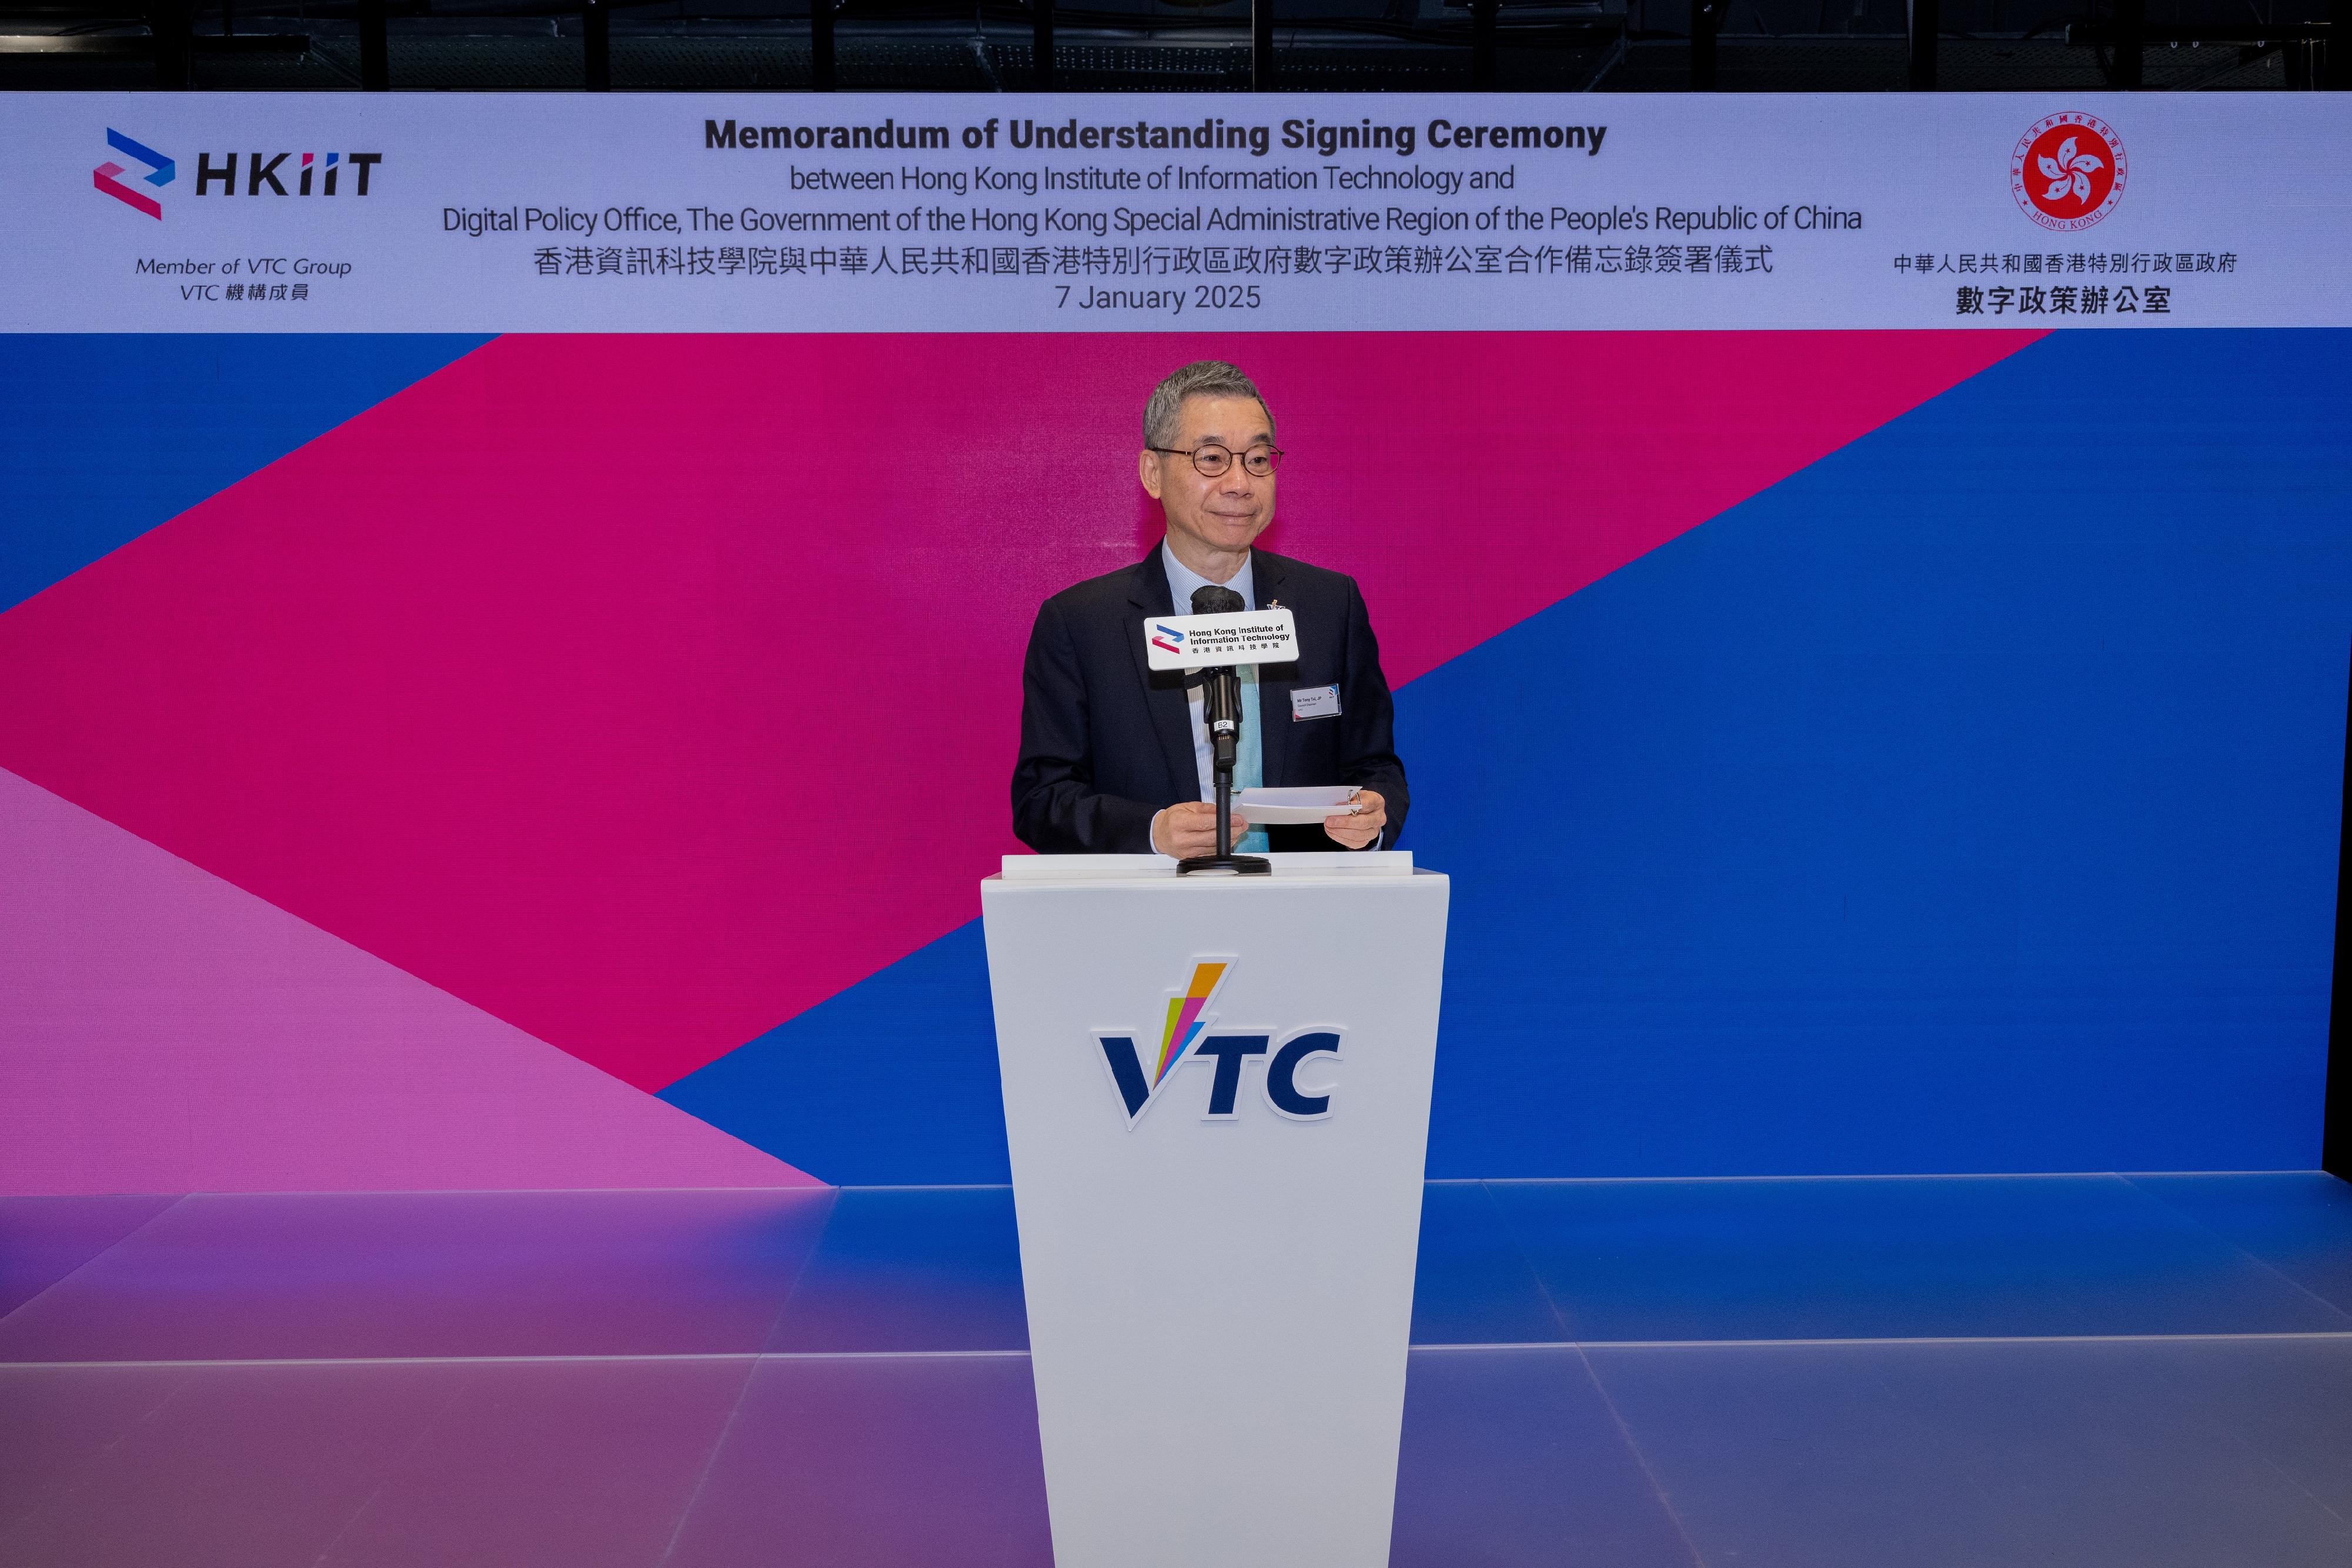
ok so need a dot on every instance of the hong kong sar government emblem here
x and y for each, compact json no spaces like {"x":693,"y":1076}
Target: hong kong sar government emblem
{"x":2068,"y":171}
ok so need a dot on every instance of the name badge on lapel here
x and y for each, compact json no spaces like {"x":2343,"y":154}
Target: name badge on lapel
{"x":1314,"y":702}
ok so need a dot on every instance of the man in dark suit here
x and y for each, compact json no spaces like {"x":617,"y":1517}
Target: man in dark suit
{"x":1113,"y":755}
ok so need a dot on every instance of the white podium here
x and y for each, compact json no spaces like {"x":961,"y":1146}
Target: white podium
{"x":1216,"y":1092}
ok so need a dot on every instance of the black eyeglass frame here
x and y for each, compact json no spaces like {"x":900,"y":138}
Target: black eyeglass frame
{"x":1273,"y":458}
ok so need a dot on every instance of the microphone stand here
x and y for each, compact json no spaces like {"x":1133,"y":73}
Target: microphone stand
{"x":1221,"y":708}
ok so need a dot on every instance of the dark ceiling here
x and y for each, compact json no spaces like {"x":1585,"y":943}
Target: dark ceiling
{"x":987,"y":46}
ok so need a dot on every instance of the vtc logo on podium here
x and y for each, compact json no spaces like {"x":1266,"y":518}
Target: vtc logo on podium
{"x":1184,"y":1037}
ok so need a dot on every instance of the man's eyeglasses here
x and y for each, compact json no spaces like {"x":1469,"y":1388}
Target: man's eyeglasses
{"x":1211,"y":459}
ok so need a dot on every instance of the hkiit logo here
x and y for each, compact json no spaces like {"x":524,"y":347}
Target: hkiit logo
{"x":275,"y":174}
{"x":1184,"y":1037}
{"x":160,"y":173}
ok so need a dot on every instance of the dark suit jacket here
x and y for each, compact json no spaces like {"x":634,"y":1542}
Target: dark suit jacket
{"x":1106,"y":742}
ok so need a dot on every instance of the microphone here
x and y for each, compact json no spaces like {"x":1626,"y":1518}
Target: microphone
{"x":1210,"y":644}
{"x":1221,"y":692}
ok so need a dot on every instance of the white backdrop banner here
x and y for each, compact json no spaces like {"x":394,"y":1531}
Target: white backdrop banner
{"x":804,"y":212}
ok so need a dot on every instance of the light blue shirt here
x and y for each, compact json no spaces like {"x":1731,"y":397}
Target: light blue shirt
{"x":1248,"y":761}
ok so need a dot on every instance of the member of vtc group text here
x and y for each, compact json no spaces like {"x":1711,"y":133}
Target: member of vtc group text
{"x":1115,"y":756}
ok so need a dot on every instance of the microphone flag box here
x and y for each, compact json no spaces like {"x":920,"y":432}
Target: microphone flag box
{"x":1197,"y":641}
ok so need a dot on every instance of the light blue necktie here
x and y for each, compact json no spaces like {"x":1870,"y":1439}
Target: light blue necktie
{"x":1249,"y":759}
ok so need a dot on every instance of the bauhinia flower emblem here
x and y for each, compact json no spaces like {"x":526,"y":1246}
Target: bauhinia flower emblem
{"x":2069,"y":170}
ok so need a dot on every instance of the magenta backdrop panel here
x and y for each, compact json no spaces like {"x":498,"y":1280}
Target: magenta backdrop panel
{"x":644,"y":691}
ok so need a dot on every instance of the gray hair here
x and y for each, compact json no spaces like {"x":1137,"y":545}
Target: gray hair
{"x":1202,"y":378}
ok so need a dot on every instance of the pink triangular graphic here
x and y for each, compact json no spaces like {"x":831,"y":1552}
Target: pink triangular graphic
{"x":162,"y":1031}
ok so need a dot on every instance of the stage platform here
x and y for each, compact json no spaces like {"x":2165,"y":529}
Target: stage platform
{"x":2135,"y":1370}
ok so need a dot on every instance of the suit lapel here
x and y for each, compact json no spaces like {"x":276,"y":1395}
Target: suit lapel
{"x":1163,"y":692}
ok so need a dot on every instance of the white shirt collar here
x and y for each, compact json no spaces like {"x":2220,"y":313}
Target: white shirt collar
{"x":1182,"y":579}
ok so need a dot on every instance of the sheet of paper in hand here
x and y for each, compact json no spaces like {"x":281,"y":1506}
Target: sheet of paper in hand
{"x":1264,"y":808}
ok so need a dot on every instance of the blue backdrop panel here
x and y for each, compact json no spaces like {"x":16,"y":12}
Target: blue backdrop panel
{"x":1967,"y":802}
{"x":102,"y":435}
{"x":893,"y":1081}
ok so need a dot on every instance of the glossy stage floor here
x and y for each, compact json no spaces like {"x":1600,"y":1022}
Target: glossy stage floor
{"x":2058,"y":1370}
